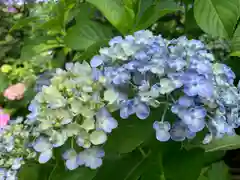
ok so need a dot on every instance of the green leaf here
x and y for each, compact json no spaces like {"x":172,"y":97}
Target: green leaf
{"x":225,"y":143}
{"x":183,"y":164}
{"x":235,"y":44}
{"x":202,"y":178}
{"x":217,"y":17}
{"x":29,"y":172}
{"x":23,"y":23}
{"x":130,"y":3}
{"x":211,"y":157}
{"x":218,"y":171}
{"x":52,"y":25}
{"x":133,"y":132}
{"x":80,"y":173}
{"x":36,"y":45}
{"x":149,"y":14}
{"x":86,"y":12}
{"x":91,"y":51}
{"x":128,"y":167}
{"x":191,"y":24}
{"x":4,"y":81}
{"x":142,"y":7}
{"x":130,"y":133}
{"x":154,"y":169}
{"x":235,"y":53}
{"x":117,"y":14}
{"x":82,"y":36}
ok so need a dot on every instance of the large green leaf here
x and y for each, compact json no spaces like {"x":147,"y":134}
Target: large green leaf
{"x":82,"y":36}
{"x":236,"y":42}
{"x":24,"y":22}
{"x":218,"y":171}
{"x":191,"y":26}
{"x":81,"y":173}
{"x":225,"y":143}
{"x":85,"y":12}
{"x":34,"y":46}
{"x":202,"y":178}
{"x":131,"y":4}
{"x":128,"y":167}
{"x":130,"y":134}
{"x":154,"y":169}
{"x":150,"y":11}
{"x":217,"y":17}
{"x":183,"y":164}
{"x":133,"y":132}
{"x":91,"y":51}
{"x":29,"y":172}
{"x":213,"y":156}
{"x":119,"y":15}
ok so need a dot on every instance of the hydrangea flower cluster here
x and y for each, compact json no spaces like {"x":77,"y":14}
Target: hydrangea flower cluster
{"x":133,"y":75}
{"x":218,"y":46}
{"x":71,"y":109}
{"x":14,"y":148}
{"x":144,"y":71}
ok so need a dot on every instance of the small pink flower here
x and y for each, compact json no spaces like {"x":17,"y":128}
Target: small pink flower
{"x":15,"y":92}
{"x":4,"y":118}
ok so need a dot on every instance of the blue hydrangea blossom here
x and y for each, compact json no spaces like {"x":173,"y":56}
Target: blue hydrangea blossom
{"x":151,"y":68}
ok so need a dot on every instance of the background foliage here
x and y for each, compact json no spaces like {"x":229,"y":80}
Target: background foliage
{"x":40,"y":37}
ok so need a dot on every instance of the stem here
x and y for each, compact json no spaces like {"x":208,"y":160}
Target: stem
{"x":172,"y":98}
{"x":50,"y":176}
{"x":72,"y":145}
{"x":162,"y":176}
{"x":164,"y":113}
{"x":142,"y":152}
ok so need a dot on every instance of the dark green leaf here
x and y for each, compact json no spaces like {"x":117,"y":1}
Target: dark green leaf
{"x":118,"y":15}
{"x":142,"y":7}
{"x":82,"y":36}
{"x":236,"y":42}
{"x":183,"y":164}
{"x":191,"y":24}
{"x":130,"y":134}
{"x":218,"y":171}
{"x":91,"y":51}
{"x":81,"y":173}
{"x":36,"y":45}
{"x":129,"y":167}
{"x":154,"y":169}
{"x":153,"y":12}
{"x":211,"y":157}
{"x":85,"y":12}
{"x":225,"y":143}
{"x":202,"y":178}
{"x":217,"y":17}
{"x":30,"y":172}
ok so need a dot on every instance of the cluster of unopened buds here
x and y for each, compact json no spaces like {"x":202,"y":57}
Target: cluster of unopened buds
{"x":133,"y":75}
{"x":218,"y":46}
